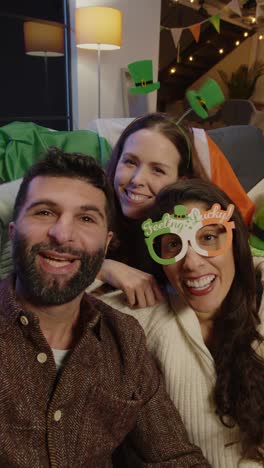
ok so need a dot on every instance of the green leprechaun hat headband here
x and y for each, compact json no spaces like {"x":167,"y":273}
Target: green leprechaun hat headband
{"x":142,"y":75}
{"x":200,"y":101}
{"x":204,"y":99}
{"x":256,"y":238}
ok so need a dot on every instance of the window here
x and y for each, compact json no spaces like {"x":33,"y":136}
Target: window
{"x":34,"y":88}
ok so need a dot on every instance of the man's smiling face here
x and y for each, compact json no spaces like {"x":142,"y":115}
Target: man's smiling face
{"x":59,"y":239}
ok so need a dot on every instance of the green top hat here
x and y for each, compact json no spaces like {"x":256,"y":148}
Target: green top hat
{"x":142,"y":74}
{"x":208,"y":96}
{"x":256,"y":238}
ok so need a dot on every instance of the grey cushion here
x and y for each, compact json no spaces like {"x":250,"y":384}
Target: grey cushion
{"x":8,"y":193}
{"x":243,"y":146}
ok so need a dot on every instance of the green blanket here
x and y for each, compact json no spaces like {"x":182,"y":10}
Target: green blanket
{"x":22,"y":144}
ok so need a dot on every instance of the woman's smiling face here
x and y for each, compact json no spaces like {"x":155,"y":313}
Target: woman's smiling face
{"x":204,"y":282}
{"x":149,"y":161}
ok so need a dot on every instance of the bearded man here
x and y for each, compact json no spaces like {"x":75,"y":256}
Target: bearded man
{"x":76,"y":379}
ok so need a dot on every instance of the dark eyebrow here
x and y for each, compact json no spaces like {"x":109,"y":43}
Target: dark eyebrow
{"x":41,"y":202}
{"x":52,"y":204}
{"x":127,"y":153}
{"x":92,"y":208}
{"x":160,"y":164}
{"x":215,"y":226}
{"x":154,"y":163}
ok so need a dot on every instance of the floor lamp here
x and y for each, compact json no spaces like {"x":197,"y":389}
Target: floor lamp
{"x":98,"y":28}
{"x":44,"y":40}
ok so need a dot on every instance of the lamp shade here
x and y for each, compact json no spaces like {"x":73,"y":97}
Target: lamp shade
{"x":43,"y":39}
{"x":98,"y":25}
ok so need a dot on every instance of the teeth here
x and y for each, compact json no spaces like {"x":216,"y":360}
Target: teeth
{"x":57,"y":263}
{"x":132,"y":196}
{"x":200,"y":283}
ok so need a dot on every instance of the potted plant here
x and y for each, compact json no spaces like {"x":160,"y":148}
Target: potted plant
{"x":241,"y":83}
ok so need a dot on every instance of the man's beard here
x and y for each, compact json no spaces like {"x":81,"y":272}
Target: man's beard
{"x":43,"y":289}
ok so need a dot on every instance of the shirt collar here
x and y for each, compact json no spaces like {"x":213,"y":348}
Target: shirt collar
{"x":90,"y":315}
{"x":11,"y":310}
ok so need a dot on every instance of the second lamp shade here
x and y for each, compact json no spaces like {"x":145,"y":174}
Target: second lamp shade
{"x":98,"y":25}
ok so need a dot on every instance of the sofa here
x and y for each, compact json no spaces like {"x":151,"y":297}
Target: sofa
{"x":243,"y":146}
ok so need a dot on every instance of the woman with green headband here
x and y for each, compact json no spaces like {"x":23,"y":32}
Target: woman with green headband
{"x":151,"y":153}
{"x":208,"y":336}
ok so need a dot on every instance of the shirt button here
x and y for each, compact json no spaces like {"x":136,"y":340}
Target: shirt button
{"x":24,"y":320}
{"x":42,"y":357}
{"x":57,"y":415}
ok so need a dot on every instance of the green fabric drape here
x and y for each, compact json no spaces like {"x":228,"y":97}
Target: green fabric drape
{"x":23,"y":143}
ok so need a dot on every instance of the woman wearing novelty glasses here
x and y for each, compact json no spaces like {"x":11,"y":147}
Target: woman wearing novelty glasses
{"x":210,"y":344}
{"x":209,"y":339}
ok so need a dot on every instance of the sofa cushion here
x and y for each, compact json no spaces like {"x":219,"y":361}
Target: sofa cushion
{"x":243,"y":146}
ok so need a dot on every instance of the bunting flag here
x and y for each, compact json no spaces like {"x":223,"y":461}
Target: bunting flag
{"x":215,"y":20}
{"x":176,"y":35}
{"x":234,"y":6}
{"x":195,"y":30}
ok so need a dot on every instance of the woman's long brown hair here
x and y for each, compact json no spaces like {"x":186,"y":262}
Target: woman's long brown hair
{"x":239,"y":387}
{"x":122,"y":248}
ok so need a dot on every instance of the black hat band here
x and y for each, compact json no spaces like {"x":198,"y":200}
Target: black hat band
{"x":144,"y":83}
{"x":202,"y":103}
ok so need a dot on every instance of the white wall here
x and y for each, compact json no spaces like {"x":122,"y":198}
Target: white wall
{"x":140,"y":40}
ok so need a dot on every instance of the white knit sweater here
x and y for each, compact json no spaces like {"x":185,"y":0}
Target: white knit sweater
{"x":174,"y":338}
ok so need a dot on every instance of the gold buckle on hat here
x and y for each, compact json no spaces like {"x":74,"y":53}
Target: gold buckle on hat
{"x":202,"y":102}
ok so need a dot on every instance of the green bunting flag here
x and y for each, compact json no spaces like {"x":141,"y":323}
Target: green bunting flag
{"x":215,"y":20}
